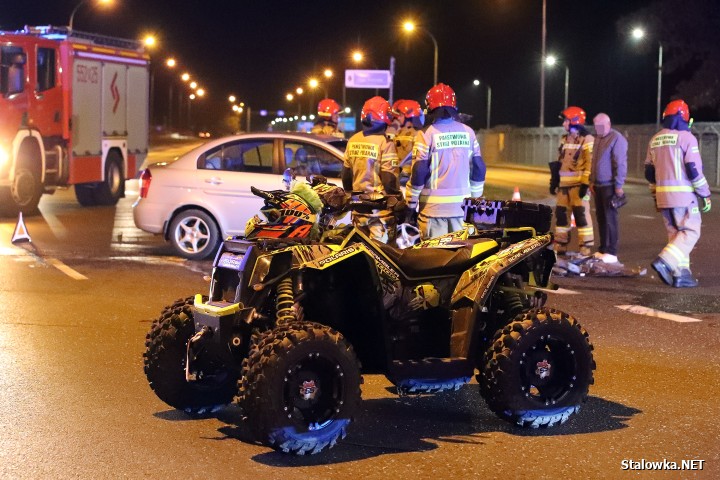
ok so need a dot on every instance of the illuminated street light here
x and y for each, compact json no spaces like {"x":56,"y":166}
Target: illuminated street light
{"x":299,"y":90}
{"x":410,"y":27}
{"x":357,"y":56}
{"x":185,"y":77}
{"x":83,"y":2}
{"x":551,"y":61}
{"x":171,"y":62}
{"x":231,"y":99}
{"x":328,"y":73}
{"x":200,"y":92}
{"x":192,"y":96}
{"x":477,"y":83}
{"x":149,"y":41}
{"x":289,"y":97}
{"x":193,"y":85}
{"x":638,"y":33}
{"x":235,"y":108}
{"x":313,"y":83}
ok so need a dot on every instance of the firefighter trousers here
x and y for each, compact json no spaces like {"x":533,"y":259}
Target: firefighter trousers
{"x":379,"y":225}
{"x":683,"y":229}
{"x":569,"y":203}
{"x":431,"y":227}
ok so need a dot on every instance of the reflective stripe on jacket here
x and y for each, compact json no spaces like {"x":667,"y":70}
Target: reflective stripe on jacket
{"x":671,"y":152}
{"x":367,"y":156}
{"x":574,"y":166}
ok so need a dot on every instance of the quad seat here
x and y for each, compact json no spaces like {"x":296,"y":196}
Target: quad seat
{"x":428,"y":262}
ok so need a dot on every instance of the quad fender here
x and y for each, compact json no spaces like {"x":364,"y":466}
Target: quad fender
{"x":474,"y":287}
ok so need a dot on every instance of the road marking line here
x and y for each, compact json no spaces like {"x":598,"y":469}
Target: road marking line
{"x":562,"y":291}
{"x":56,"y":226}
{"x":644,"y":217}
{"x":651,"y":312}
{"x":65,"y":269}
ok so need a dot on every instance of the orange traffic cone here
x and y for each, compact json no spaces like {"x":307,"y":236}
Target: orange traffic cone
{"x":21,"y":233}
{"x":516,"y":195}
{"x":572,"y":220}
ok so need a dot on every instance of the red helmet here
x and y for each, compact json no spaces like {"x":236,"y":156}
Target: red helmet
{"x":396,"y":106}
{"x":377,"y":109}
{"x":409,"y":108}
{"x":677,"y":107}
{"x":328,"y":107}
{"x":440,"y":95}
{"x":575,"y":115}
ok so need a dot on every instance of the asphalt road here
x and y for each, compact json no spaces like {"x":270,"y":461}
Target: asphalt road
{"x":78,"y":301}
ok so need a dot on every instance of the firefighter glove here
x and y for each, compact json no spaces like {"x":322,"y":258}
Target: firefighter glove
{"x":553,"y":188}
{"x":706,"y":204}
{"x":583,"y":190}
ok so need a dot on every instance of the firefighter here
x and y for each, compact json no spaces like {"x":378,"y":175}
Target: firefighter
{"x":371,"y":166}
{"x":327,"y":119}
{"x":570,"y":183}
{"x":673,"y":168}
{"x":446,"y":166}
{"x":410,"y":120}
{"x":396,"y":123}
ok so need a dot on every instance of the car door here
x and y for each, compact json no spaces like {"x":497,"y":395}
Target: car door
{"x":228,"y":171}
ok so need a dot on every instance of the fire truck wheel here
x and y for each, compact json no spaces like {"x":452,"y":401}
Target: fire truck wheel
{"x":85,"y":194}
{"x":538,"y":369}
{"x":164,"y":364}
{"x":194,"y":234}
{"x":26,"y":190}
{"x":113,"y":188}
{"x":303,"y":388}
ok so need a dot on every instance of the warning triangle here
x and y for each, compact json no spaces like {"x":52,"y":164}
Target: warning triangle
{"x":21,"y":233}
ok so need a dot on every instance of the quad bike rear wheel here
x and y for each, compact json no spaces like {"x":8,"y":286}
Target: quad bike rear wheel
{"x":538,"y":369}
{"x":302,"y":388}
{"x":165,"y":357}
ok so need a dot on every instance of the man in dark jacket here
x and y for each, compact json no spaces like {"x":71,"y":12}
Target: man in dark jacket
{"x":609,"y":169}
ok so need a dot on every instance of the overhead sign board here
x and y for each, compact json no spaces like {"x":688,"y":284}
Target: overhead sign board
{"x":368,"y":78}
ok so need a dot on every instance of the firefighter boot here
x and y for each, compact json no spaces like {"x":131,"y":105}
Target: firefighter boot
{"x":663,"y":270}
{"x":684,"y":279}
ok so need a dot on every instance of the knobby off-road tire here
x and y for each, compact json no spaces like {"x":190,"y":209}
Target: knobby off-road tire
{"x":165,"y":357}
{"x":538,"y":369}
{"x":302,"y":388}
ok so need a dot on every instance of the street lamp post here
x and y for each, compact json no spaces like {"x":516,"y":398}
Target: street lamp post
{"x":550,"y":61}
{"x":409,"y":27}
{"x":638,"y":34}
{"x":74,"y":11}
{"x":488,"y":104}
{"x":542,"y":65}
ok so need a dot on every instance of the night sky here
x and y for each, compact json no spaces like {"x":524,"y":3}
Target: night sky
{"x":261,"y":49}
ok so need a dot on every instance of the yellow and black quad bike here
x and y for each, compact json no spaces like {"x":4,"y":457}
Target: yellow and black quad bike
{"x":292,"y":321}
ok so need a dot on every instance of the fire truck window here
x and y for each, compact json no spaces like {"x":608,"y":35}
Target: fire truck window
{"x":45,"y":69}
{"x":12,"y":78}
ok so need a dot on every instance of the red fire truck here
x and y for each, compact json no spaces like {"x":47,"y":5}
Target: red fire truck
{"x":73,"y":111}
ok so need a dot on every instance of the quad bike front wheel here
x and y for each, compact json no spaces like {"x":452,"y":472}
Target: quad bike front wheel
{"x":165,"y":357}
{"x":538,"y":369}
{"x":302,"y":388}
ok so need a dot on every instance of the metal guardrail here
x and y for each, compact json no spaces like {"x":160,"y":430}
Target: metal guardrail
{"x":537,"y":147}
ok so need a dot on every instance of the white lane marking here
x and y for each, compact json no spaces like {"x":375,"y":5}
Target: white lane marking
{"x":644,"y":217}
{"x":562,"y":291}
{"x":65,"y":269}
{"x":58,"y":229}
{"x":651,"y":312}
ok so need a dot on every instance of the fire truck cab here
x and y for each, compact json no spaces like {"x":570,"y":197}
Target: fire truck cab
{"x":73,"y":111}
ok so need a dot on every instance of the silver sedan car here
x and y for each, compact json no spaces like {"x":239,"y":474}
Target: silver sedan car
{"x":205,"y":195}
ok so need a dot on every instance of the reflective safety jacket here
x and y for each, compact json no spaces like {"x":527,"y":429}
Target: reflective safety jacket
{"x":446,"y":168}
{"x":404,"y":139}
{"x":325,"y":127}
{"x":575,"y":157}
{"x":374,"y":163}
{"x":675,"y":156}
